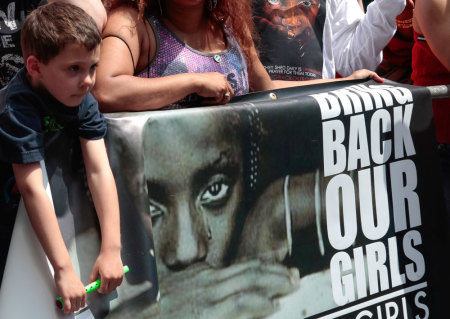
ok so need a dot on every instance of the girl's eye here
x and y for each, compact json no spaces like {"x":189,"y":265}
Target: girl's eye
{"x":215,"y":194}
{"x":93,"y":67}
{"x":74,"y":68}
{"x":155,"y":209}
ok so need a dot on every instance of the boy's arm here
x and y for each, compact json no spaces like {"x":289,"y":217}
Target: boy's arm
{"x":104,"y":193}
{"x":45,"y":224}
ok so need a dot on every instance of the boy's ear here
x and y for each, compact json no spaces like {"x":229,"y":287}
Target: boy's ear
{"x":33,"y":66}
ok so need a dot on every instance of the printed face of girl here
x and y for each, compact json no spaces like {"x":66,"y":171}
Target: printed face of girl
{"x":193,"y":171}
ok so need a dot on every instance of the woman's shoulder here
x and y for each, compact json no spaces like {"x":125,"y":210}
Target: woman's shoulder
{"x":124,"y":22}
{"x":122,"y":16}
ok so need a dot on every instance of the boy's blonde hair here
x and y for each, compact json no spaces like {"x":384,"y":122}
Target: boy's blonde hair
{"x":49,"y":28}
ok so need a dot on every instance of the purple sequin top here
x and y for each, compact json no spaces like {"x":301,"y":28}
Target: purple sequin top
{"x":175,"y":57}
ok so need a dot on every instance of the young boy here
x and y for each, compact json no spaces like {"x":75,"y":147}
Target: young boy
{"x":61,"y":49}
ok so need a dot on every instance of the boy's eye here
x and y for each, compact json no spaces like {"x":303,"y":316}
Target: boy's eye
{"x":74,"y":68}
{"x":93,"y":67}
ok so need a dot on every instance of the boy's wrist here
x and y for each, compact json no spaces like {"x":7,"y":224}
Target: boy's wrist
{"x":61,"y":268}
{"x":111,"y":248}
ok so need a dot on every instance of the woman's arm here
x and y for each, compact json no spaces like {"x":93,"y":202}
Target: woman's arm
{"x":432,"y":19}
{"x":258,"y":78}
{"x":118,"y":90}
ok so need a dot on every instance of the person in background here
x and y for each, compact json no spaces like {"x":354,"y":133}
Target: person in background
{"x":396,"y":64}
{"x":431,"y":66}
{"x":178,"y":53}
{"x":303,"y":40}
{"x":61,"y":48}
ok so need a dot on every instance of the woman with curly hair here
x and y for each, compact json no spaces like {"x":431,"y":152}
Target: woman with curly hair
{"x":180,"y":53}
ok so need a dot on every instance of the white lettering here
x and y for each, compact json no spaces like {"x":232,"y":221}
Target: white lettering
{"x":334,"y":153}
{"x":358,"y":146}
{"x":402,"y":134}
{"x":341,"y":238}
{"x":403,"y":185}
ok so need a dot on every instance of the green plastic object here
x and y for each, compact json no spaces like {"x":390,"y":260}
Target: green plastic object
{"x":89,"y":288}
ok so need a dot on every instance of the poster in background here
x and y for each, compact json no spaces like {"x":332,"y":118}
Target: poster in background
{"x":298,"y":27}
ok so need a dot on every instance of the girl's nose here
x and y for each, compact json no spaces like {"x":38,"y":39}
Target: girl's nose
{"x":189,"y":239}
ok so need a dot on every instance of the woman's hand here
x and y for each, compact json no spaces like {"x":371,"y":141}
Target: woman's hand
{"x":214,"y":87}
{"x":365,"y":74}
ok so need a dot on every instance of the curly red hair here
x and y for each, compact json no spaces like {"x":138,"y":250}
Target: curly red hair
{"x":240,"y":24}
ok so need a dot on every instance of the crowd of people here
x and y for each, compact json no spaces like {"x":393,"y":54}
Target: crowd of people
{"x":169,"y":54}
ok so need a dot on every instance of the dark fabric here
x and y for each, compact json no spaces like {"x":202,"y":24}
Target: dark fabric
{"x":366,"y":3}
{"x":444,"y":155}
{"x":396,"y":64}
{"x":12,"y":16}
{"x":25,"y":116}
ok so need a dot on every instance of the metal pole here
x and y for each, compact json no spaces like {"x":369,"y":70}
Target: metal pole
{"x":439,"y":91}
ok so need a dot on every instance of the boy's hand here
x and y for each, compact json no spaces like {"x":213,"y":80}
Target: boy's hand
{"x":109,"y":268}
{"x":71,"y":290}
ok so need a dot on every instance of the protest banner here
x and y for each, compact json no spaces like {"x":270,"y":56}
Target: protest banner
{"x":314,"y":202}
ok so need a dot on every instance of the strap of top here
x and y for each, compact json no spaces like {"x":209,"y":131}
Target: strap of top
{"x":129,"y":49}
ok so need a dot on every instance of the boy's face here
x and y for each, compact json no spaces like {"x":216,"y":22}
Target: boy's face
{"x":70,"y":75}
